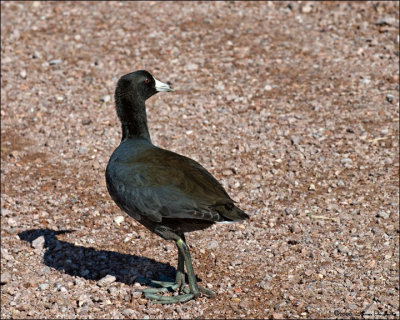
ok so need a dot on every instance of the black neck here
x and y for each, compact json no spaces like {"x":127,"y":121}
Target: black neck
{"x":133,"y":117}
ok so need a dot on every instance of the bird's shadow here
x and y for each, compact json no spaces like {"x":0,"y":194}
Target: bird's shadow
{"x":92,"y":264}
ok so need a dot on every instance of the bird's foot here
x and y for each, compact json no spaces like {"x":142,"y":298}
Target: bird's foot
{"x":156,"y":294}
{"x":165,"y":286}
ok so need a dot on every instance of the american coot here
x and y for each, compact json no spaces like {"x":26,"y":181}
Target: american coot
{"x":168,"y":193}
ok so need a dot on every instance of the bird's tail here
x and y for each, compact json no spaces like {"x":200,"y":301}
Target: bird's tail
{"x":231,"y":213}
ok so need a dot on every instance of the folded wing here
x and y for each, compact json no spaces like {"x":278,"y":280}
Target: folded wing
{"x":162,"y":184}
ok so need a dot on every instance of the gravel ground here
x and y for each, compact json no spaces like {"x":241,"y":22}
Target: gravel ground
{"x":293,"y":106}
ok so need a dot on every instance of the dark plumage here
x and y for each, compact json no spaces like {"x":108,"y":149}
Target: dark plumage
{"x":168,"y":193}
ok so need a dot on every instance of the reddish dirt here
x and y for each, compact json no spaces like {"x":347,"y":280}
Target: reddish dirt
{"x":293,"y":106}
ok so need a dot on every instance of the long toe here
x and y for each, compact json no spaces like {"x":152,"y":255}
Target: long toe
{"x":169,"y":299}
{"x":207,"y":292}
{"x":164,"y":284}
{"x":156,"y":294}
{"x":158,"y":290}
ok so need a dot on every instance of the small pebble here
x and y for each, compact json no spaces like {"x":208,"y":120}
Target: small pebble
{"x":343,"y":249}
{"x":38,"y":243}
{"x":22,"y":74}
{"x":383,"y":214}
{"x":264,"y":285}
{"x":36,"y":55}
{"x":307,"y":8}
{"x":84,"y":299}
{"x":46,"y":269}
{"x":105,"y":98}
{"x":365,"y":80}
{"x":294,"y":228}
{"x":387,"y":21}
{"x":220,"y":86}
{"x":55,"y":61}
{"x":107,"y":280}
{"x":309,"y":272}
{"x":227,"y":172}
{"x":346,"y":162}
{"x":213,"y":244}
{"x":128,"y":312}
{"x":295,"y":140}
{"x":43,"y":286}
{"x":289,"y":210}
{"x":118,"y":220}
{"x":244,"y":304}
{"x":384,"y":131}
{"x":86,"y":121}
{"x":12,"y":222}
{"x":112,"y":290}
{"x":5,"y":278}
{"x":340,"y":270}
{"x":389,"y":98}
{"x":136,"y":294}
{"x":12,"y":230}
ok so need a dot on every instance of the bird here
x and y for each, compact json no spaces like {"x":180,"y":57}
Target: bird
{"x":168,"y":193}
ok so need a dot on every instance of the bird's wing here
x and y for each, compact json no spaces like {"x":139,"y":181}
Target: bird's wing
{"x":160,"y":184}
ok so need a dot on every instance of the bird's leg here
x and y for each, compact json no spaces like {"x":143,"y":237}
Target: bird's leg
{"x":180,"y":272}
{"x":194,"y":289}
{"x":164,"y":286}
{"x":168,"y":286}
{"x":184,"y":250}
{"x":179,"y":284}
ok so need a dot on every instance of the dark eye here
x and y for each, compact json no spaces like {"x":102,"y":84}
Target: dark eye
{"x":147,"y":81}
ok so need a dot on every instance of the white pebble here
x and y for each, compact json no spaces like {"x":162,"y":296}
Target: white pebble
{"x":38,"y":243}
{"x":43,"y":286}
{"x":22,"y":74}
{"x":105,"y":98}
{"x":119,"y":219}
{"x":107,"y":280}
{"x":55,"y":61}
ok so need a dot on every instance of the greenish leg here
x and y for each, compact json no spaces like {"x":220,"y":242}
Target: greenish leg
{"x":184,"y":250}
{"x":180,"y":272}
{"x":194,"y":289}
{"x":165,"y":286}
